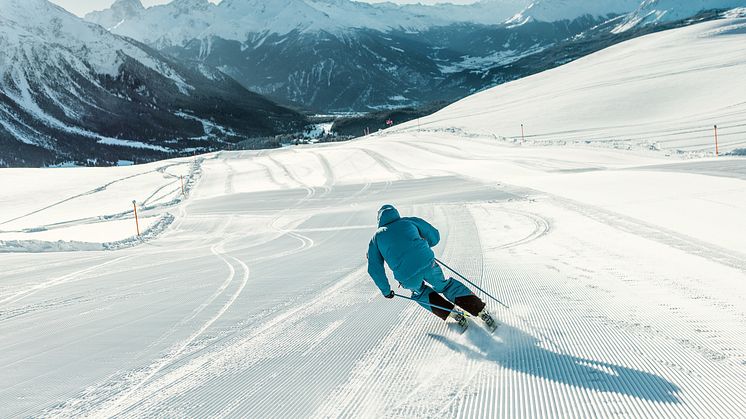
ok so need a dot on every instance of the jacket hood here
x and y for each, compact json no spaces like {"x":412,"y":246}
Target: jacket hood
{"x":387,"y":215}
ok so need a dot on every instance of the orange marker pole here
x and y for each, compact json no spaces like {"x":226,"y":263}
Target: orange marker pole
{"x":137,"y":222}
{"x":717,"y":152}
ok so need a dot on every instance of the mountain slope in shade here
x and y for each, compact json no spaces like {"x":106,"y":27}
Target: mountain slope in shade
{"x":71,"y":91}
{"x":339,"y":55}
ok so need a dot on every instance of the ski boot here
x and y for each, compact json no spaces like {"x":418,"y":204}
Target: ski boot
{"x":461,"y":322}
{"x":488,"y":320}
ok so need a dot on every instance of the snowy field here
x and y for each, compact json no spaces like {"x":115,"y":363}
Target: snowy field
{"x":624,"y":269}
{"x":42,"y":210}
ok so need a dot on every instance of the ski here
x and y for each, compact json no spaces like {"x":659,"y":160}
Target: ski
{"x":489,"y":320}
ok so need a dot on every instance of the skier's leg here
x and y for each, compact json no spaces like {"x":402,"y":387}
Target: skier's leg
{"x":427,"y":296}
{"x":455,"y":291}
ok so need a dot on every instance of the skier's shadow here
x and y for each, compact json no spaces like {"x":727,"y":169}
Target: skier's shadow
{"x":520,"y":351}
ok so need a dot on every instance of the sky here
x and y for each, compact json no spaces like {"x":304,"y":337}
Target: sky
{"x":81,"y":7}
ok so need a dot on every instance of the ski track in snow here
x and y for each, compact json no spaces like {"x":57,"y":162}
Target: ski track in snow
{"x":59,"y":281}
{"x":307,"y":335}
{"x":328,"y":173}
{"x":91,"y":192}
{"x":130,"y":396}
{"x":671,"y":238}
{"x":381,"y":160}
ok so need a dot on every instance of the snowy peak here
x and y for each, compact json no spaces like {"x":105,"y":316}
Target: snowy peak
{"x":662,"y":11}
{"x":188,"y":5}
{"x":182,"y":20}
{"x":39,"y":24}
{"x":119,"y":12}
{"x":128,"y":6}
{"x":235,"y":18}
{"x":162,"y":25}
{"x":558,"y":10}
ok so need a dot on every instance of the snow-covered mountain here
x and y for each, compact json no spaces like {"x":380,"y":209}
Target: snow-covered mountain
{"x":342,"y":55}
{"x":663,"y":11}
{"x":173,"y":23}
{"x":558,"y":10}
{"x":70,"y":90}
{"x":238,"y":20}
{"x":338,"y":55}
{"x":119,"y":12}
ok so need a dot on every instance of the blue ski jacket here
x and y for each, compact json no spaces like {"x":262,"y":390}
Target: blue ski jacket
{"x":404,"y":243}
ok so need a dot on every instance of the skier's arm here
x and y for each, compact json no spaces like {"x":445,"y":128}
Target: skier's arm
{"x":376,"y":269}
{"x":427,"y":231}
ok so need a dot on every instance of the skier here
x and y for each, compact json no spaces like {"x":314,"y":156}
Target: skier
{"x":405,"y":244}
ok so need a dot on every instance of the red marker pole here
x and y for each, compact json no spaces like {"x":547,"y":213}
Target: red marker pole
{"x":137,"y":222}
{"x":717,"y":152}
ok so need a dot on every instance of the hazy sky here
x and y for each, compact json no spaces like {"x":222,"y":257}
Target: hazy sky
{"x":81,"y":7}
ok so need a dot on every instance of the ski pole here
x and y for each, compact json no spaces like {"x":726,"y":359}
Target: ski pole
{"x":475,"y":285}
{"x":427,"y":304}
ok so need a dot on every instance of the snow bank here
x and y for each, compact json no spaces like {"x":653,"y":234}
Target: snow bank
{"x":91,"y":208}
{"x":155,"y":227}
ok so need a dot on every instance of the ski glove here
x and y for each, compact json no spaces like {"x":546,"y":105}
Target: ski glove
{"x":390,"y":295}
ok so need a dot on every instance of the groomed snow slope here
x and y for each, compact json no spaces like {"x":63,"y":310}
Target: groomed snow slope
{"x":624,"y":271}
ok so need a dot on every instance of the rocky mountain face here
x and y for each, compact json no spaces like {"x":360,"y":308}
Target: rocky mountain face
{"x":70,"y":91}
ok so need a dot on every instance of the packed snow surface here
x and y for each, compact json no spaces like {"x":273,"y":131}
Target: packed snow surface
{"x":624,"y":268}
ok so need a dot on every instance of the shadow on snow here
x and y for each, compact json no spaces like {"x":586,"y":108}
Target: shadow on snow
{"x":519,"y":351}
